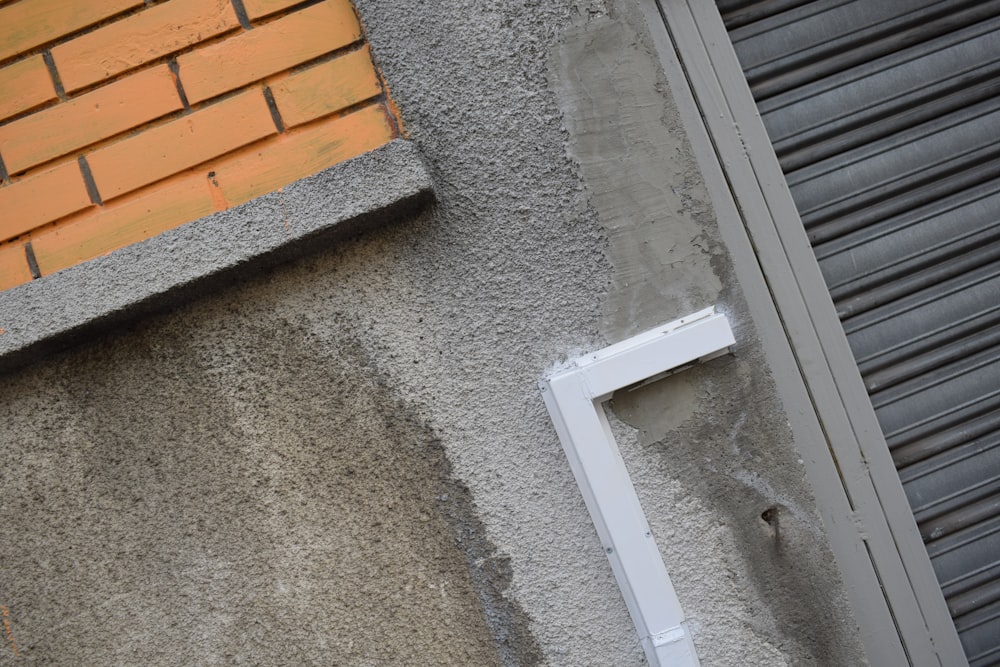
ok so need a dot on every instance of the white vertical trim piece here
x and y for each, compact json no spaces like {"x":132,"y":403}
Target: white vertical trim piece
{"x":574,"y":398}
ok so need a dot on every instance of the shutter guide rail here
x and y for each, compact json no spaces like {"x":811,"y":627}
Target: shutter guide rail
{"x":922,"y":631}
{"x":884,"y":116}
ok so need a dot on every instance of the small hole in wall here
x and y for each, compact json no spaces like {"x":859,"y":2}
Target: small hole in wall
{"x":770,"y":519}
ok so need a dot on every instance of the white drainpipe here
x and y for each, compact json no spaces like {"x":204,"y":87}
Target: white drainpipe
{"x":573,"y":398}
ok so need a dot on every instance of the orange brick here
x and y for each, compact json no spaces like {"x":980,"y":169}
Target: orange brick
{"x":258,"y":8}
{"x":25,"y":84}
{"x":326,"y":88}
{"x":30,"y":23}
{"x":122,"y":223}
{"x":170,"y":148}
{"x":268,"y":166}
{"x":41,"y":198}
{"x":157,"y":31}
{"x":274,"y":47}
{"x":13,"y":266}
{"x":84,"y":120}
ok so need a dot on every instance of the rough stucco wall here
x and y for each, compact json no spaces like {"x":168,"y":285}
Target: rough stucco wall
{"x":209,"y":482}
{"x":171,"y":503}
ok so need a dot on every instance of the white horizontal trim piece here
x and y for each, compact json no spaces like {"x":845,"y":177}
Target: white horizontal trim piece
{"x":573,"y":397}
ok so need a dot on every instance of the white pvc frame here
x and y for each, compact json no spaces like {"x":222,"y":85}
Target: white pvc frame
{"x":574,"y":399}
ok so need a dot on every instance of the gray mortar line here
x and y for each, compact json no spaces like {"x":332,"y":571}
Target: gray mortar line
{"x":241,"y":14}
{"x":175,"y":69}
{"x":272,"y":106}
{"x":54,"y":73}
{"x":29,"y":253}
{"x":88,"y":178}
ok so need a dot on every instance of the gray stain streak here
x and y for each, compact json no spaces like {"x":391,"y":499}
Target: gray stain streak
{"x":178,"y":502}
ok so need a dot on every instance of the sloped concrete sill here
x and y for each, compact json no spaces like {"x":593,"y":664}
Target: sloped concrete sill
{"x":55,"y":311}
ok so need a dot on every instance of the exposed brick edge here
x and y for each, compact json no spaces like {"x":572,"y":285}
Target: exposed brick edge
{"x":55,"y":311}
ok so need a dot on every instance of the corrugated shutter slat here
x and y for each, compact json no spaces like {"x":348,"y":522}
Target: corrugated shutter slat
{"x":885,"y":116}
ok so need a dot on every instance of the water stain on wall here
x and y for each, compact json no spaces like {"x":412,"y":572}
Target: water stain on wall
{"x":235,"y":497}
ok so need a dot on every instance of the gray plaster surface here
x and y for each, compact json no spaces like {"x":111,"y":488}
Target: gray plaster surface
{"x":172,"y":503}
{"x":345,"y":459}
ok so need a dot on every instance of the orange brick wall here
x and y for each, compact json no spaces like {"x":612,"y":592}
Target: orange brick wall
{"x":121,"y":119}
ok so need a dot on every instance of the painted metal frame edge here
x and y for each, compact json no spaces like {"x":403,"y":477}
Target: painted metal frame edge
{"x":752,"y":200}
{"x":574,"y":398}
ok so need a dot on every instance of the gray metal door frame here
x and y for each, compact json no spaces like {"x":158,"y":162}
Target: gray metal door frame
{"x":890,"y":583}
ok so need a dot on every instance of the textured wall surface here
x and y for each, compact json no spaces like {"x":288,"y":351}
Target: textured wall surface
{"x":346,"y":460}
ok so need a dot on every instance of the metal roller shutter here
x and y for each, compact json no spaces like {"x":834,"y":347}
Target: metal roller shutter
{"x":885,"y":116}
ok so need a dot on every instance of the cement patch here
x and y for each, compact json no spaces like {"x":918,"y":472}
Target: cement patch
{"x":642,"y":183}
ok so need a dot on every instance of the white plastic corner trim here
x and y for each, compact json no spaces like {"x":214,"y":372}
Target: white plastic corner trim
{"x":573,"y":397}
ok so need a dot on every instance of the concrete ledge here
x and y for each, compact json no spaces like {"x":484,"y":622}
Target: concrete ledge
{"x":54,"y":311}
